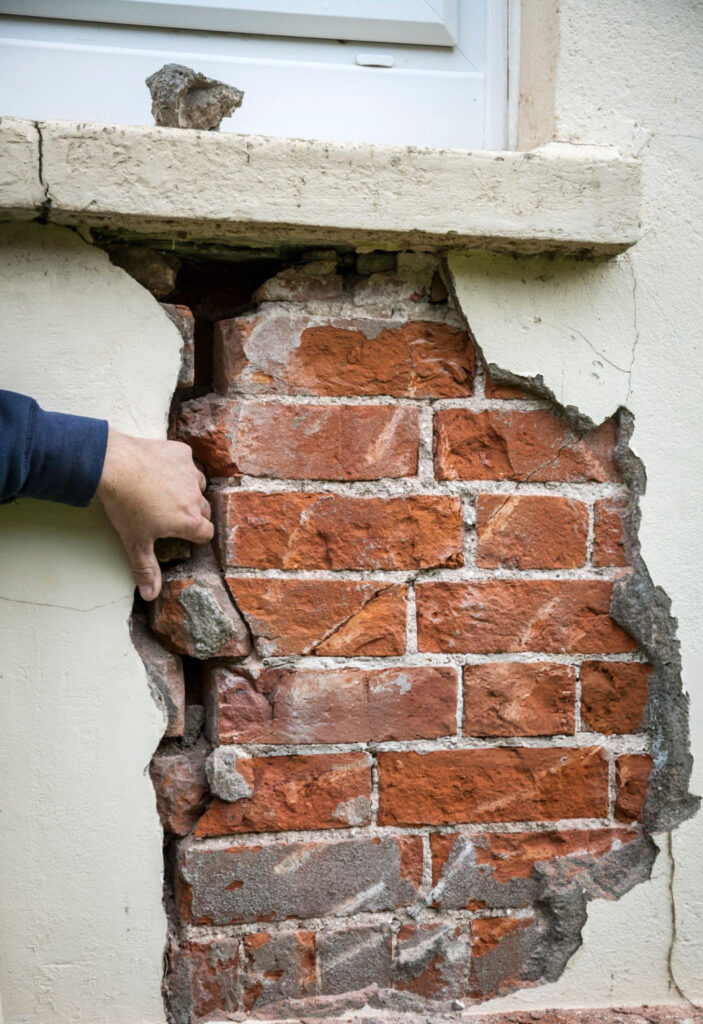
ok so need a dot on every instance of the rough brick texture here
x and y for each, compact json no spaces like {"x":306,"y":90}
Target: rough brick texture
{"x":426,"y":740}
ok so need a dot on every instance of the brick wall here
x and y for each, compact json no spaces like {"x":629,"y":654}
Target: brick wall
{"x":407,"y":742}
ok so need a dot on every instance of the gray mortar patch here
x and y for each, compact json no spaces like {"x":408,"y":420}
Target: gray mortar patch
{"x":206,"y":623}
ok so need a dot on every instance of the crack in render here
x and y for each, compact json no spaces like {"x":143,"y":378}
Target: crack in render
{"x":635,"y":325}
{"x":672,"y":901}
{"x":47,"y":203}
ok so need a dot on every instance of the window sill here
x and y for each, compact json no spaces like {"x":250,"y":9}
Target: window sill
{"x":240,"y":189}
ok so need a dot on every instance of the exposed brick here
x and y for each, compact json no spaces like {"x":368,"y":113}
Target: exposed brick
{"x":613,"y":695}
{"x":282,"y":351}
{"x":506,"y":616}
{"x":351,"y":959}
{"x":297,"y":441}
{"x":502,"y":954}
{"x":299,"y":792}
{"x":185,"y":322}
{"x":329,"y":531}
{"x":181,"y":787}
{"x":325,"y":617}
{"x":499,"y":870}
{"x":516,"y":445}
{"x":632,"y":773}
{"x":530,"y":532}
{"x":331,"y":705}
{"x":276,"y":967}
{"x":492,"y":389}
{"x":512,"y":698}
{"x":609,"y":532}
{"x":431,"y":960}
{"x":311,"y":282}
{"x":165,"y":672}
{"x":202,"y":979}
{"x":194,"y":615}
{"x":503,"y":784}
{"x":300,"y":879}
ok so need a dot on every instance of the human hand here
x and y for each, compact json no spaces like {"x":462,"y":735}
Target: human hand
{"x":152,"y":489}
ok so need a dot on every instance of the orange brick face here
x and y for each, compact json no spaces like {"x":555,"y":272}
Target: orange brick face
{"x":400,"y":657}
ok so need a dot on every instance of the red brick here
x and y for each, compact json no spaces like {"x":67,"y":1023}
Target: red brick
{"x":326,"y":617}
{"x":276,"y":881}
{"x":506,"y":616}
{"x":182,"y":791}
{"x":613,"y":695}
{"x":194,"y":615}
{"x":331,"y":705}
{"x":315,"y":442}
{"x":329,"y":531}
{"x":516,"y":784}
{"x":203,"y":978}
{"x":511,"y":698}
{"x":609,"y":532}
{"x":505,"y":869}
{"x":502,"y":954}
{"x":431,"y":960}
{"x":282,"y":351}
{"x":165,"y":672}
{"x":632,"y":773}
{"x":299,"y":792}
{"x":530,"y":532}
{"x":506,"y":391}
{"x":515,"y":445}
{"x":277,"y":967}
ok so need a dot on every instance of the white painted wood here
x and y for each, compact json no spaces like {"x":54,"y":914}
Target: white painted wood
{"x":418,"y":22}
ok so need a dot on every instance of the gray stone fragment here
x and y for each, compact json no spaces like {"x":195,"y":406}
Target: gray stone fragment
{"x":183,"y":98}
{"x":375,"y":262}
{"x":225,"y":781}
{"x":165,"y":673}
{"x":155,"y":271}
{"x":206,"y":622}
{"x":195,"y":720}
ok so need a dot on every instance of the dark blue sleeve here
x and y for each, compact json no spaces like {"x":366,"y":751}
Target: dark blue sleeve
{"x":48,"y":455}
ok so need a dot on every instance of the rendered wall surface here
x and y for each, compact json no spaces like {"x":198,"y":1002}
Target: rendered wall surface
{"x":80,"y":847}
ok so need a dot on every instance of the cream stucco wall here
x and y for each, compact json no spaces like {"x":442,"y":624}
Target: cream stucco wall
{"x":629,"y":332}
{"x":82,"y":927}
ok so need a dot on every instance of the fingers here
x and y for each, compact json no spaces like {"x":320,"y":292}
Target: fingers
{"x":202,"y":481}
{"x":145,"y":570}
{"x":205,"y":509}
{"x":198,"y":529}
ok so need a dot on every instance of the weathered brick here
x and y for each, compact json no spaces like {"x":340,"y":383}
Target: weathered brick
{"x":202,"y":979}
{"x":632,"y":773}
{"x":492,"y":389}
{"x":609,"y":532}
{"x":503,"y":784}
{"x":298,"y":792}
{"x":194,"y":615}
{"x":165,"y":672}
{"x":431,"y":960}
{"x":276,"y":881}
{"x":512,"y":698}
{"x":281,"y":351}
{"x":277,"y":967}
{"x":297,"y":441}
{"x":181,"y":787}
{"x":311,"y":282}
{"x":330,"y":531}
{"x":184,"y":320}
{"x":530,"y":532}
{"x":325,"y":617}
{"x":507,"y":616}
{"x":331,"y":705}
{"x":498,"y":870}
{"x":502,"y":954}
{"x":516,"y":445}
{"x":351,"y":959}
{"x":614,"y":695}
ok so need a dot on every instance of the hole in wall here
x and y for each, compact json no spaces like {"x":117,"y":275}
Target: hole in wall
{"x":424,"y":701}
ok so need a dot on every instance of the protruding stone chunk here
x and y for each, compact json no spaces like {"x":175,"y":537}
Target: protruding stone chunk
{"x":195,"y":616}
{"x":183,"y":98}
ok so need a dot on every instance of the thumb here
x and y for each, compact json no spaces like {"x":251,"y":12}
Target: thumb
{"x":145,"y":570}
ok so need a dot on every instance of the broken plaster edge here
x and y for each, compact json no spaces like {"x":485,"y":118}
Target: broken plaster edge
{"x":561,"y":198}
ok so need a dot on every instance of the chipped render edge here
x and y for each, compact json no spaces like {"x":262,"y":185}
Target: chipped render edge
{"x":206,"y":186}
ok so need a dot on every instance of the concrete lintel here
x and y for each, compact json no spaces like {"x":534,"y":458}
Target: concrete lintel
{"x":239,"y":189}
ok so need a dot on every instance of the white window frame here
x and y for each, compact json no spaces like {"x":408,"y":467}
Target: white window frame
{"x":415,"y":22}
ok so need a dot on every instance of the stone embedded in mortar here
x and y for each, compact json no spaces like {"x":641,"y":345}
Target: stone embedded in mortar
{"x":195,"y":616}
{"x":225,"y":781}
{"x":183,"y":98}
{"x":155,"y":270}
{"x":165,"y":672}
{"x":184,"y":320}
